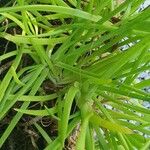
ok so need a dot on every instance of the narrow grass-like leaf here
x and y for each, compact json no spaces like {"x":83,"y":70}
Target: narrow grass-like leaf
{"x":66,"y":111}
{"x":96,"y":120}
{"x":35,"y":98}
{"x":52,"y":8}
{"x":38,"y":112}
{"x":15,"y":76}
{"x":5,"y":82}
{"x":44,"y":134}
{"x":17,"y":117}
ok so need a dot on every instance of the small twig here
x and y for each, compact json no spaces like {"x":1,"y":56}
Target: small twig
{"x":5,"y":66}
{"x":32,"y":121}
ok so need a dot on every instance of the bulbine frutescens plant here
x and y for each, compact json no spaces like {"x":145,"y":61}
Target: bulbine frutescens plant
{"x":76,"y":46}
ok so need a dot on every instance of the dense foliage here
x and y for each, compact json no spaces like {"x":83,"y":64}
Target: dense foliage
{"x":68,"y":74}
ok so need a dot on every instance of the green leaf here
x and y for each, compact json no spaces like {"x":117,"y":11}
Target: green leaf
{"x":37,"y":112}
{"x":98,"y":121}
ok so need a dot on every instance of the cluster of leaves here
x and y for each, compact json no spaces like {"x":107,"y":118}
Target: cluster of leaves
{"x":68,"y":59}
